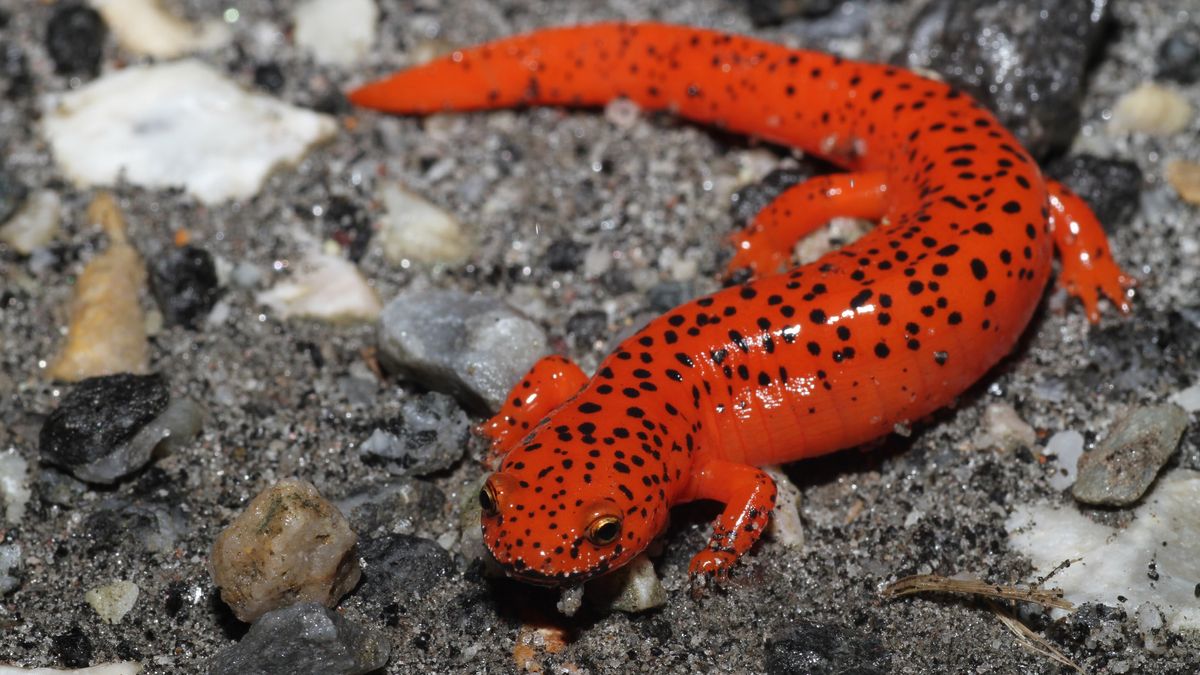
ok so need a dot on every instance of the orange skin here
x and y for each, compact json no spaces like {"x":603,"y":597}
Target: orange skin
{"x":788,"y":365}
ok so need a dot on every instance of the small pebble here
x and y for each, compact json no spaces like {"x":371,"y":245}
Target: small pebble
{"x":113,"y":601}
{"x":1003,"y":428}
{"x":347,"y":224}
{"x":430,"y":434}
{"x":326,"y":287}
{"x":1188,"y":399}
{"x":153,"y":527}
{"x":663,"y":297}
{"x":401,"y":505}
{"x":403,"y":566}
{"x":14,"y":487}
{"x":184,"y":283}
{"x":414,"y":229}
{"x":10,"y":564}
{"x":269,"y":77}
{"x":1152,"y":109}
{"x":304,"y":638}
{"x":588,"y":328}
{"x":337,"y":32}
{"x":288,"y":546}
{"x":807,"y":648}
{"x":1179,"y":55}
{"x":75,"y":39}
{"x":145,"y":27}
{"x":12,"y":194}
{"x":1121,"y":467}
{"x":1185,"y":178}
{"x":1066,"y":447}
{"x":35,"y":225}
{"x":115,"y":668}
{"x":564,"y":255}
{"x":785,"y":525}
{"x":72,"y":647}
{"x":473,"y":347}
{"x":774,"y":12}
{"x":1111,"y":187}
{"x":634,"y":588}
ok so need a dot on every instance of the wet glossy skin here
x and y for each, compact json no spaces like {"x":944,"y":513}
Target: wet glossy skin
{"x":789,"y":365}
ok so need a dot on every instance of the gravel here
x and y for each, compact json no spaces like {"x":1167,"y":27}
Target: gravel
{"x":934,"y":502}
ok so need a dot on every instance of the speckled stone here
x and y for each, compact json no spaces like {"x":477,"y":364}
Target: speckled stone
{"x":304,"y":638}
{"x":1118,"y":471}
{"x":430,"y":434}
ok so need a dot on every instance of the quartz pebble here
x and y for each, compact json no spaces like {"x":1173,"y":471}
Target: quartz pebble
{"x":325,"y":287}
{"x":634,"y":588}
{"x":1185,"y":178}
{"x":289,"y":546}
{"x":1121,"y":467}
{"x":35,"y":224}
{"x":429,"y":435}
{"x":107,"y":333}
{"x":14,"y":488}
{"x":304,"y":638}
{"x":785,"y":525}
{"x":403,"y":566}
{"x":414,"y":229}
{"x":136,"y":124}
{"x":1152,"y":109}
{"x":146,"y":28}
{"x":184,"y":283}
{"x":473,"y":347}
{"x":113,"y":601}
{"x":337,"y":32}
{"x":108,"y":427}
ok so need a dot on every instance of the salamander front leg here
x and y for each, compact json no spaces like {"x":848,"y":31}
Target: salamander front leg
{"x":1088,"y":268}
{"x":548,"y":384}
{"x":749,"y":497}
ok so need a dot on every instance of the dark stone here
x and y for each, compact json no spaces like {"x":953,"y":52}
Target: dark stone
{"x":348,"y":224}
{"x":588,"y":327}
{"x":1111,"y":187}
{"x":774,"y":12}
{"x":99,"y":414}
{"x":807,"y":648}
{"x":12,"y":194}
{"x":755,"y":197}
{"x":184,"y":283}
{"x":149,"y":526}
{"x":269,"y":76}
{"x":616,"y":281}
{"x":75,"y":39}
{"x":564,"y":255}
{"x":668,"y":295}
{"x":401,"y":565}
{"x":1179,"y":55}
{"x":305,"y":638}
{"x":1040,"y":49}
{"x":73,"y":648}
{"x":382,"y":507}
{"x":430,"y":434}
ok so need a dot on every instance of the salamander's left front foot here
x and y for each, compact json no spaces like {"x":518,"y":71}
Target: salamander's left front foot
{"x":1088,"y":268}
{"x":749,"y":497}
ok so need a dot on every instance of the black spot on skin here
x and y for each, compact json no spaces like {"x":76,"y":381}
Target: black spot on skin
{"x":1011,"y":206}
{"x":814,"y":348}
{"x":817,"y":316}
{"x":979,"y":269}
{"x":881,"y":350}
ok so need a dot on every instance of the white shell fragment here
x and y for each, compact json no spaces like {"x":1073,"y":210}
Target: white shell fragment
{"x":414,"y":229}
{"x":113,"y":601}
{"x":35,"y":224}
{"x":324,"y":287}
{"x":1155,"y":559}
{"x":146,"y":28}
{"x":178,"y":124}
{"x":337,"y":32}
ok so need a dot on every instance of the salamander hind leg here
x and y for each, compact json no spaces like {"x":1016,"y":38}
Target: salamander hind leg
{"x":1088,"y":268}
{"x":547,"y":385}
{"x":749,"y":497}
{"x":766,"y":243}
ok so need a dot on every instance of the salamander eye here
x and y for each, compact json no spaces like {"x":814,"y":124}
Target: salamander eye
{"x":487,"y":499}
{"x":604,"y":530}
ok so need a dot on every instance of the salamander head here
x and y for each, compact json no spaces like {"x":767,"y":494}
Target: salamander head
{"x":557,"y":515}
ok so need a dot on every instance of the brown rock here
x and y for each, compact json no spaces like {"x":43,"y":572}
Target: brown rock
{"x":290,"y":545}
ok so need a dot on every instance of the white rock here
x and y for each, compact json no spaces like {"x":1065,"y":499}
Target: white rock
{"x":414,"y":229}
{"x":1163,"y":541}
{"x":178,"y":124}
{"x":1067,"y":446}
{"x":14,"y":491}
{"x":338,"y":32}
{"x":1004,"y":428}
{"x":324,"y":287}
{"x":113,"y":601}
{"x":1188,"y":399}
{"x":122,"y":668}
{"x":145,"y":27}
{"x":35,"y":224}
{"x":1152,"y":109}
{"x":785,"y":525}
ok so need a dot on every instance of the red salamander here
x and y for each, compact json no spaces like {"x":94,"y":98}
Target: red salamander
{"x":791,"y":364}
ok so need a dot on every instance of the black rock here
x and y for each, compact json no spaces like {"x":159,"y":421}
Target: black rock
{"x":668,"y":295}
{"x":75,"y":39}
{"x":269,"y":76}
{"x":807,"y":648}
{"x":99,"y":414}
{"x":753,"y":198}
{"x":774,"y":12}
{"x":429,"y":435}
{"x":1179,"y":55}
{"x":12,"y":194}
{"x":564,"y":255}
{"x":184,"y":282}
{"x":348,"y":224}
{"x":1023,"y":59}
{"x":73,"y":648}
{"x":306,"y":638}
{"x":588,"y":327}
{"x":1110,"y":186}
{"x":400,"y":565}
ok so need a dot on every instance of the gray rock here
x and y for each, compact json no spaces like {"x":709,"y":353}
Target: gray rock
{"x":807,"y":648}
{"x":10,"y":563}
{"x":304,"y":638}
{"x":1023,"y":59}
{"x":109,"y":426}
{"x":57,"y":487}
{"x":400,"y":565}
{"x":429,"y":435}
{"x":1125,"y":463}
{"x":398,"y":506}
{"x":473,"y":347}
{"x":1179,"y":55}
